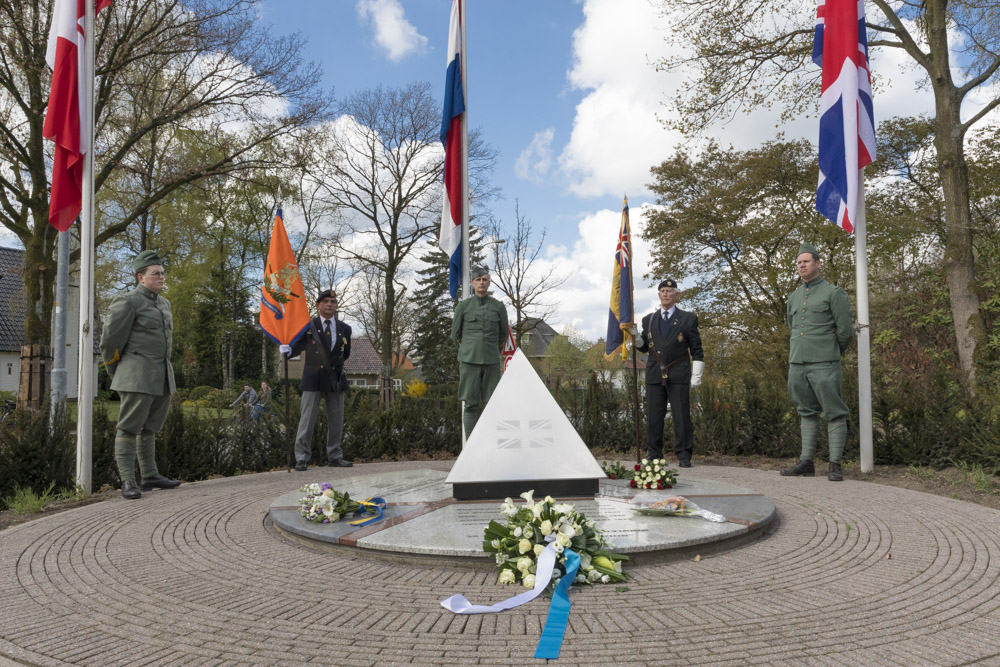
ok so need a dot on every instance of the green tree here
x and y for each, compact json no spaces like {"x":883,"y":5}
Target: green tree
{"x":161,"y":67}
{"x":748,"y":55}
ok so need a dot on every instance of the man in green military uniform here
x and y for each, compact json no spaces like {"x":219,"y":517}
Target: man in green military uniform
{"x":819,"y":317}
{"x":480,"y":329}
{"x":135,"y":344}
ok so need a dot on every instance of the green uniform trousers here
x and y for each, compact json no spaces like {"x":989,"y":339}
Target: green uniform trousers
{"x":815,"y":389}
{"x":140,"y":416}
{"x":476,"y":383}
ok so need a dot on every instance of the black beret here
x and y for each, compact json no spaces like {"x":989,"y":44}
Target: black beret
{"x":666,"y":283}
{"x":326,"y":293}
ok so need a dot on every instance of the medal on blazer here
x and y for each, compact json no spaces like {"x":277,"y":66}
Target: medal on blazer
{"x":680,"y":337}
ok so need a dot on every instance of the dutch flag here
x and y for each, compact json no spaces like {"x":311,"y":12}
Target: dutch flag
{"x":846,"y":125}
{"x":454,"y":164}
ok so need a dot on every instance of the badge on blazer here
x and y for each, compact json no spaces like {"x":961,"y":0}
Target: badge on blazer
{"x":680,"y":337}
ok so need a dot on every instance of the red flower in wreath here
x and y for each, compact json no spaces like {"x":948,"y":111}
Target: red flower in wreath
{"x":632,"y":484}
{"x":638,"y":467}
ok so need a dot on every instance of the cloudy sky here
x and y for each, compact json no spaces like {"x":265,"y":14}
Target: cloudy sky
{"x":566,"y":92}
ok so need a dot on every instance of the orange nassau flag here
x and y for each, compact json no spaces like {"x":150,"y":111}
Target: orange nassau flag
{"x":284,"y":312}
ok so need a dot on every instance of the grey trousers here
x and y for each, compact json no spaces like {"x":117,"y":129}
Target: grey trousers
{"x":140,"y":416}
{"x":307,"y":422}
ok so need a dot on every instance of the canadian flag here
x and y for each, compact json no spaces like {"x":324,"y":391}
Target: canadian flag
{"x":67,"y":114}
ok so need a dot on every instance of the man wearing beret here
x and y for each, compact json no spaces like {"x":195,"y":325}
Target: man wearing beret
{"x":480,"y":329}
{"x":135,"y":345}
{"x":819,"y":320}
{"x":674,"y":364}
{"x":327,"y":345}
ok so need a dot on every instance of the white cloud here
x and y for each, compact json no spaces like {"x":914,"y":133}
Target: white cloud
{"x":393,"y":33}
{"x":535,"y":161}
{"x":583,"y":300}
{"x":616,"y":135}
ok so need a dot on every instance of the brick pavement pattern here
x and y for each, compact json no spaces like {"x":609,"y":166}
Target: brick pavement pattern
{"x":854,"y":574}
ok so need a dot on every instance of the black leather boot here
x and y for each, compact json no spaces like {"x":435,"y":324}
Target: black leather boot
{"x":800,"y":469}
{"x":835,"y":474}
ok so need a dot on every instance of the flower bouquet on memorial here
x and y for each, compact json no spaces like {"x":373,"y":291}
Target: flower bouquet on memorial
{"x":663,"y":505}
{"x":324,"y":504}
{"x":653,"y":474}
{"x":519,"y":542}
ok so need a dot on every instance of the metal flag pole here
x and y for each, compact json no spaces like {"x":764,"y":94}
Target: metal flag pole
{"x":864,"y":332}
{"x":466,"y":287}
{"x":85,"y":346}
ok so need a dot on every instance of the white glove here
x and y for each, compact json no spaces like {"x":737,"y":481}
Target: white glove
{"x":286,"y":350}
{"x":697,"y":368}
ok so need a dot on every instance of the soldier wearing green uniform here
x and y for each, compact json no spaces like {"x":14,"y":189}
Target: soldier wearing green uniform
{"x":480,"y":329}
{"x":135,"y":345}
{"x":819,"y":317}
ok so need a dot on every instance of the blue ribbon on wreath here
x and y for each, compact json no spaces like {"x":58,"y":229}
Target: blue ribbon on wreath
{"x":555,"y":624}
{"x":371,"y":510}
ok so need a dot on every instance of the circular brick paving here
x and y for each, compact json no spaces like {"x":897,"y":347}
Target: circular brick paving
{"x":853,"y":573}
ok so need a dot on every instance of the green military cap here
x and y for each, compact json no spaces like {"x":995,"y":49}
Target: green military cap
{"x":667,"y":283}
{"x":478,"y":271}
{"x":144,"y":259}
{"x":808,"y":247}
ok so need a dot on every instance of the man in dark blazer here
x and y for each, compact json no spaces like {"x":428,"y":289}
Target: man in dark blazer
{"x":674,"y":364}
{"x":327,"y":345}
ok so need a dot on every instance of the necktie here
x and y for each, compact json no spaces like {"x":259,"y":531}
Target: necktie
{"x":326,"y":330}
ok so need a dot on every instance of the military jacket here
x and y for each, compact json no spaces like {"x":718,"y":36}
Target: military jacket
{"x":323,"y":367}
{"x":136,"y":342}
{"x":819,"y":319}
{"x":677,"y":341}
{"x":480,"y":329}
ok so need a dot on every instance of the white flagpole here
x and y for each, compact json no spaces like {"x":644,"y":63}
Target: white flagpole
{"x":864,"y":332}
{"x":466,"y":271}
{"x":85,"y":348}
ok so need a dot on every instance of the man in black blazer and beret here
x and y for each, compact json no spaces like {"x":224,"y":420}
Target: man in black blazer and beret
{"x":674,"y":364}
{"x":327,"y":345}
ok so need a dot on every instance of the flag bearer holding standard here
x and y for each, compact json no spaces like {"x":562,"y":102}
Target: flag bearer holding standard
{"x":135,"y":345}
{"x":675,"y":364}
{"x":819,"y":318}
{"x":480,"y":328}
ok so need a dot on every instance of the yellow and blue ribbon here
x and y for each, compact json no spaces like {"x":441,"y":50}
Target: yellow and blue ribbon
{"x":371,"y":510}
{"x":555,"y":624}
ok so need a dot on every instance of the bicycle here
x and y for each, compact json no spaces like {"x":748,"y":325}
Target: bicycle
{"x":8,"y":409}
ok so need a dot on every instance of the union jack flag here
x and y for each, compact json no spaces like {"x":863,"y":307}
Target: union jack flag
{"x":846,"y":124}
{"x":525,"y":433}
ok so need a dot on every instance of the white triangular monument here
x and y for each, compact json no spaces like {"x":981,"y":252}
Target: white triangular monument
{"x":523,"y":441}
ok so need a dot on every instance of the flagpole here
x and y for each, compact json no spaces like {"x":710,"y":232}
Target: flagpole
{"x":466,"y":272}
{"x":864,"y":332}
{"x":85,"y":347}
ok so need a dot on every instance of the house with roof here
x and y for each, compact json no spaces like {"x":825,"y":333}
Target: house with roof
{"x":537,"y":337}
{"x":13,"y":306}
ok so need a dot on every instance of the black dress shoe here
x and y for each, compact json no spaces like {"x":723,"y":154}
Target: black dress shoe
{"x":159,"y":482}
{"x":339,"y":463}
{"x":301,"y":466}
{"x":685,"y":464}
{"x":800,"y":469}
{"x":130,"y":490}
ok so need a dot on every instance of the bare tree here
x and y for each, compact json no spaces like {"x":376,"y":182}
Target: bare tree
{"x":185,"y":90}
{"x":383,"y":170}
{"x":518,"y":275}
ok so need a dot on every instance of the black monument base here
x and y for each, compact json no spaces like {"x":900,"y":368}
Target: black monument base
{"x":557,"y":488}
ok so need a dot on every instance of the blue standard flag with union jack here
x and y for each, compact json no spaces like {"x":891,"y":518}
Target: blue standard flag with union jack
{"x":620,"y":313}
{"x":846,"y":123}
